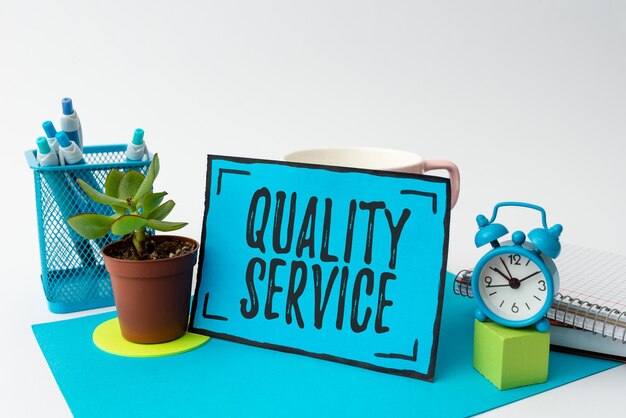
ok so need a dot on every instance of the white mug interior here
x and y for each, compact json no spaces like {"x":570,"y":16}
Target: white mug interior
{"x":361,"y":157}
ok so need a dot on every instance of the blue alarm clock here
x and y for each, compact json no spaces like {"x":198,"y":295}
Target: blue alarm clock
{"x":515,"y":282}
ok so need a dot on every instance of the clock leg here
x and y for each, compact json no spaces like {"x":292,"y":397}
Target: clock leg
{"x":480,"y":315}
{"x":543,"y":325}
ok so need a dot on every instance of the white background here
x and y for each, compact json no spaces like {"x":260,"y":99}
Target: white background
{"x":527,"y":97}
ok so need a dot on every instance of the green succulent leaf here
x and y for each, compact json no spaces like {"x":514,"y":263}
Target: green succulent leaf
{"x":162,"y":211}
{"x":126,"y":224}
{"x":129,"y":184}
{"x":150,"y":201}
{"x":91,"y":225}
{"x":101,"y":197}
{"x":146,"y":185}
{"x":120,"y":210}
{"x":164,"y":225}
{"x":112,"y":183}
{"x":111,"y":186}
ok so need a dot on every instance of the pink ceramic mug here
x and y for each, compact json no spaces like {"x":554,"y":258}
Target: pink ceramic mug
{"x":379,"y":159}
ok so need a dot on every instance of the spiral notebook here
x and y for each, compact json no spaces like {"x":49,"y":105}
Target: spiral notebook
{"x":592,"y":295}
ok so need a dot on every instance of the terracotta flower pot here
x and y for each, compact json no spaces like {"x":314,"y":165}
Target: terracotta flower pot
{"x":152,"y":296}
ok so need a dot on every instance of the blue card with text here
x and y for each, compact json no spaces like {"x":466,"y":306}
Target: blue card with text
{"x":341,"y":264}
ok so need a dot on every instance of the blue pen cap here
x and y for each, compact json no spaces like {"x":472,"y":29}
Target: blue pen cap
{"x":42,"y":145}
{"x":63,"y":139}
{"x":49,"y":129}
{"x":138,"y":137}
{"x":68,"y":107}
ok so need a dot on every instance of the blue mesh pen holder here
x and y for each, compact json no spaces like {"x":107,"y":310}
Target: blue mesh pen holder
{"x":72,"y":268}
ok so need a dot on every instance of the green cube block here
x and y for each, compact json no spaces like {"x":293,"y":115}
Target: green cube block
{"x":511,"y":357}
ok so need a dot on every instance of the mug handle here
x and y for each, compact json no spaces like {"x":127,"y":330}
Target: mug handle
{"x":453,"y":171}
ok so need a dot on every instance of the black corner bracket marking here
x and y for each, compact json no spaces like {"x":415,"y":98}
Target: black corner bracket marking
{"x":433,"y":196}
{"x":411,"y":357}
{"x":227,"y":171}
{"x":208,"y":316}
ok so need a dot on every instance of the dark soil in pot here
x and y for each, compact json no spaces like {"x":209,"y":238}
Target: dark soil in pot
{"x":157,"y":249}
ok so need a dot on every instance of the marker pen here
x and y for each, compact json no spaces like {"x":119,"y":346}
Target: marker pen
{"x":46,"y":157}
{"x":51,"y":134}
{"x":136,"y":149}
{"x":70,"y":124}
{"x":62,"y":191}
{"x":70,"y":154}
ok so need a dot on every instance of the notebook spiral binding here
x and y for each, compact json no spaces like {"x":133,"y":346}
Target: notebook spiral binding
{"x":566,"y":310}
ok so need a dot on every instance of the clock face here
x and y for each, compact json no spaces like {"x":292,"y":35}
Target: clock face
{"x":513,"y":287}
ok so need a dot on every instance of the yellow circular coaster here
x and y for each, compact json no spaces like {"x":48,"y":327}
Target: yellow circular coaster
{"x":108,"y":337}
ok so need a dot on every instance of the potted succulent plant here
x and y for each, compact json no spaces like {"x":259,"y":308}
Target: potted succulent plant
{"x":151,"y":275}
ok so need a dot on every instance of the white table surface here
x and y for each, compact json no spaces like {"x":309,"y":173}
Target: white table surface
{"x":527,"y":97}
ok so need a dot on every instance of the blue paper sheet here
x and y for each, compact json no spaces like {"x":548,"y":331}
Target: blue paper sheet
{"x":223,"y":378}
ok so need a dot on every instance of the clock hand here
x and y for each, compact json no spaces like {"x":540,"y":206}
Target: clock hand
{"x":507,"y":269}
{"x":500,"y":273}
{"x":498,"y":285}
{"x":529,"y":276}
